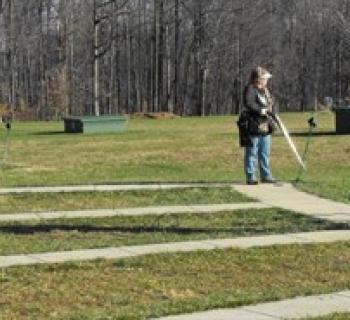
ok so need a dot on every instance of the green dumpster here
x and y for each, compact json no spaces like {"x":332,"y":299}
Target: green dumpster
{"x":90,"y":124}
{"x":342,"y":120}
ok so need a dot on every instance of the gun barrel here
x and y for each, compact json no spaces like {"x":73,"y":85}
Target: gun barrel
{"x":289,"y":141}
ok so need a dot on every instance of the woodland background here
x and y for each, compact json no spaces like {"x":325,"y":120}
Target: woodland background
{"x":189,"y":57}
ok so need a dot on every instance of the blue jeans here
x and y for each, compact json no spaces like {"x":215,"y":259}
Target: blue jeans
{"x":259,"y":151}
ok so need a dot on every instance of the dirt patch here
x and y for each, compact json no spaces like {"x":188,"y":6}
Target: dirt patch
{"x":154,"y":115}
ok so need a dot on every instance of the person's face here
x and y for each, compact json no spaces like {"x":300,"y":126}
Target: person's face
{"x":262,"y":83}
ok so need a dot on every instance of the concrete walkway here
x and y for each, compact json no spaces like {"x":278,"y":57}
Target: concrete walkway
{"x":104,"y":213}
{"x":111,"y":188}
{"x":286,"y":196}
{"x":298,"y":308}
{"x":134,"y":251}
{"x":283,"y":195}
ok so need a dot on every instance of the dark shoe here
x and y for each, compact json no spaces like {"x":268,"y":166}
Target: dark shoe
{"x":268,"y":180}
{"x":252,"y":182}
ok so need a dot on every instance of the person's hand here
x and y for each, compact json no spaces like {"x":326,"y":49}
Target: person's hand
{"x":271,"y":113}
{"x":263,"y":112}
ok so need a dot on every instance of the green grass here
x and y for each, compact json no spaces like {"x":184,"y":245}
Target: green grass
{"x":124,"y":199}
{"x":57,"y":235}
{"x":338,"y":316}
{"x":188,"y":149}
{"x":159,"y":285}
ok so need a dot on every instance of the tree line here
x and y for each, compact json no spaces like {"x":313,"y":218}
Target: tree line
{"x":189,"y":57}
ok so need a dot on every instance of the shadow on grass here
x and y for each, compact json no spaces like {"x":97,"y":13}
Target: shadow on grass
{"x":242,"y":229}
{"x":51,"y":133}
{"x":315,"y":134}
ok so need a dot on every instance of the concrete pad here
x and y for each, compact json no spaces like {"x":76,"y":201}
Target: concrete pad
{"x":104,"y":213}
{"x":19,"y":217}
{"x":295,"y":238}
{"x":221,"y":315}
{"x":169,"y":247}
{"x":304,"y":307}
{"x":156,"y":210}
{"x":110,"y":188}
{"x":260,"y":241}
{"x":79,"y":255}
{"x":18,"y":260}
{"x":297,"y":308}
{"x":132,"y":251}
{"x":283,"y":195}
{"x":286,"y":196}
{"x":345,"y":293}
{"x":324,"y":236}
{"x":230,"y":206}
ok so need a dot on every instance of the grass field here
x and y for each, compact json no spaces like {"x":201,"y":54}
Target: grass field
{"x":58,"y":235}
{"x":158,"y":285}
{"x":188,"y":149}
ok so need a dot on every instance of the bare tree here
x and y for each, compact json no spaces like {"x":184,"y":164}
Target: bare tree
{"x":191,"y":57}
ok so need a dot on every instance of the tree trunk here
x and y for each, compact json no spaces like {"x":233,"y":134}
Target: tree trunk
{"x":176,"y":58}
{"x":96,"y":78}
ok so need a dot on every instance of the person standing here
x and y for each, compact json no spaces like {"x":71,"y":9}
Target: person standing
{"x":258,"y":108}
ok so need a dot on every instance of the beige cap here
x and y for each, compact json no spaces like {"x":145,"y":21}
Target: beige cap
{"x":260,"y":73}
{"x":263,"y":73}
{"x":266,"y":75}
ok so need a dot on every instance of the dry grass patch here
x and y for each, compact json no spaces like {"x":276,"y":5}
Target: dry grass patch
{"x":159,"y":285}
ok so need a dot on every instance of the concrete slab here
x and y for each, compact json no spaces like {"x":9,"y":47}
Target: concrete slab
{"x":297,"y":308}
{"x":285,"y":195}
{"x":169,"y":247}
{"x":222,"y":315}
{"x":324,"y":236}
{"x":110,"y":188}
{"x":131,"y":251}
{"x":261,"y":241}
{"x":304,"y":307}
{"x":17,"y":260}
{"x":78,"y":255}
{"x":104,"y":213}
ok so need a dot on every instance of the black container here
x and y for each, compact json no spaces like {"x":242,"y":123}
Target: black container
{"x":342,"y":120}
